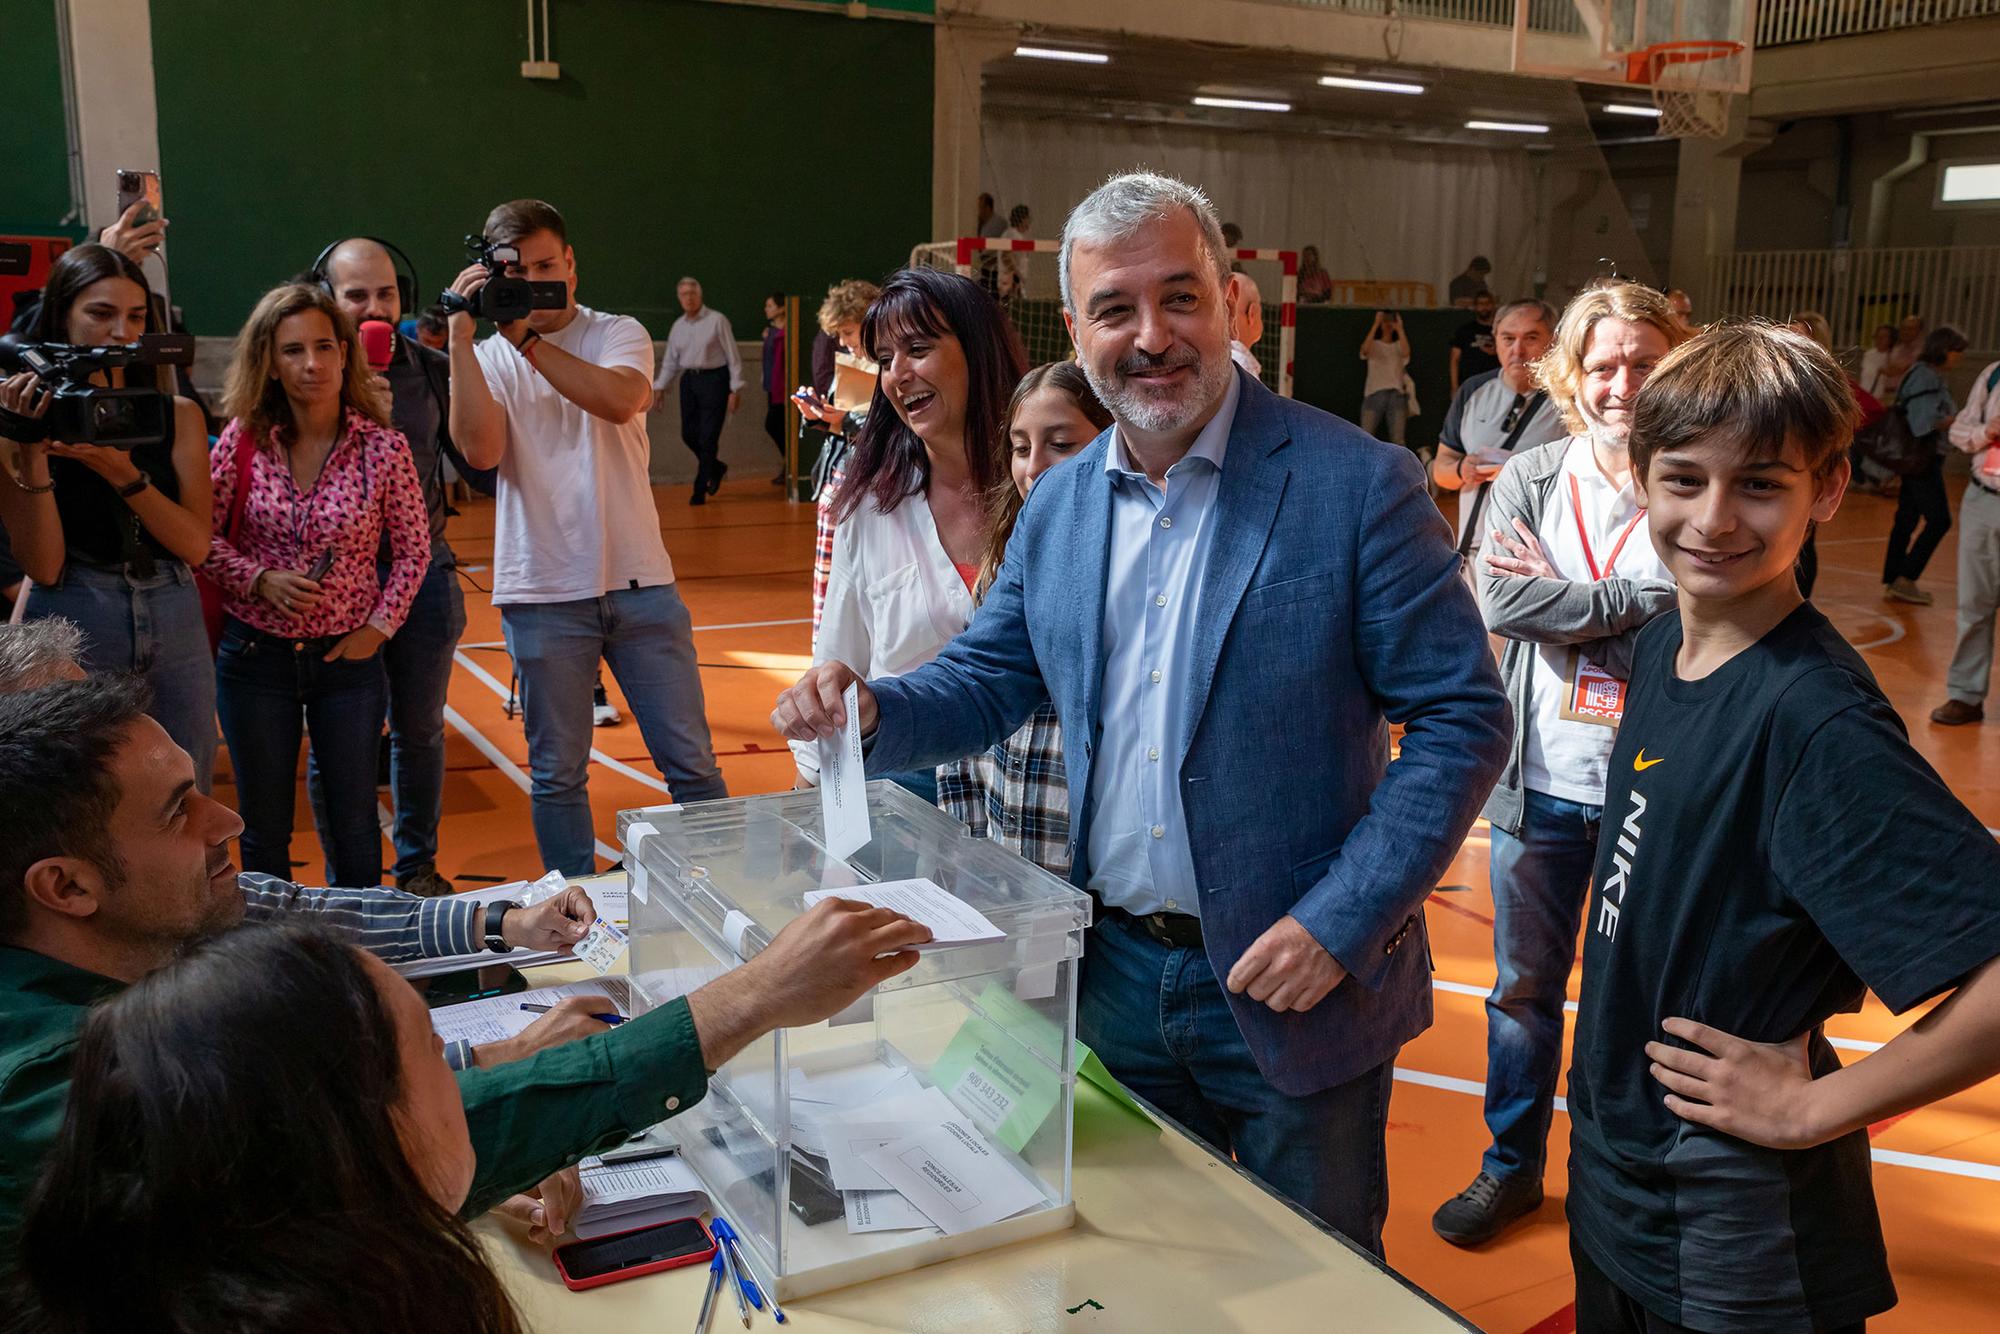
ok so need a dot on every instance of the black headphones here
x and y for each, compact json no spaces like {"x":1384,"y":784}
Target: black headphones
{"x":406,"y":284}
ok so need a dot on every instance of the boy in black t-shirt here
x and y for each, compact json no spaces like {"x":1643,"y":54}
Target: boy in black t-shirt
{"x":1772,"y":846}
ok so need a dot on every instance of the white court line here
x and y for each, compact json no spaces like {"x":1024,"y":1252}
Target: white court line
{"x":753,"y":625}
{"x":732,"y":625}
{"x":1922,"y":1162}
{"x":1895,"y":629}
{"x":1480,"y":993}
{"x":506,"y":766}
{"x":616,"y":765}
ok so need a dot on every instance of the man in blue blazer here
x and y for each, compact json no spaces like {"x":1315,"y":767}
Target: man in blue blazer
{"x":1229,"y":597}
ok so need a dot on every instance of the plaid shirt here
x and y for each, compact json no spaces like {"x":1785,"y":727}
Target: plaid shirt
{"x":389,"y":924}
{"x":1016,"y":793}
{"x":823,"y":526}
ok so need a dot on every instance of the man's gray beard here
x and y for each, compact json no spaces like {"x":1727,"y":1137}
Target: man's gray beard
{"x":1132,"y":407}
{"x":1615,"y":438}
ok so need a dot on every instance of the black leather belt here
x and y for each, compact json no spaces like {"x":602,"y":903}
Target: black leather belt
{"x":1175,"y":930}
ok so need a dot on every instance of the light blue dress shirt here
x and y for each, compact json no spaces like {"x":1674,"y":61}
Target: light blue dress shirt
{"x":1139,"y":855}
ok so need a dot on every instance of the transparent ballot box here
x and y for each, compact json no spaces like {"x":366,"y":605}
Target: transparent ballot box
{"x":956,"y":1076}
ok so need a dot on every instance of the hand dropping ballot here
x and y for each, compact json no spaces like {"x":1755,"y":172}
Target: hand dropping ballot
{"x":843,"y":792}
{"x":953,"y":921}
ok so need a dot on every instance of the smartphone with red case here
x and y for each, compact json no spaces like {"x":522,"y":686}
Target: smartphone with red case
{"x":623,"y":1255}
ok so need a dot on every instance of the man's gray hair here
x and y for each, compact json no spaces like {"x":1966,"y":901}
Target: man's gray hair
{"x":1119,"y":208}
{"x":37,"y":653}
{"x":1545,"y":312}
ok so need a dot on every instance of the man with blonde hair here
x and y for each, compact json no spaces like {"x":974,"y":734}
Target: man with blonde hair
{"x":1568,"y":575}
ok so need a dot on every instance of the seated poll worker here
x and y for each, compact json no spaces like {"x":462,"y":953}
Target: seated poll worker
{"x":111,"y":863}
{"x":1229,"y":597}
{"x":327,"y":1160}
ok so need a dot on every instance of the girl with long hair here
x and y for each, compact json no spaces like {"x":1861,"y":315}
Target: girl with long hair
{"x":111,"y":536}
{"x":323,"y":478}
{"x":911,"y":513}
{"x":1017,"y":794}
{"x":265,"y":1134}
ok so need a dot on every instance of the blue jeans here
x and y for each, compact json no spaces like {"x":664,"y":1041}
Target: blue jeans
{"x":1540,"y":881}
{"x":648,"y":640}
{"x":1159,"y":1020}
{"x":418,"y":663}
{"x":151,"y":628}
{"x":265,"y":686}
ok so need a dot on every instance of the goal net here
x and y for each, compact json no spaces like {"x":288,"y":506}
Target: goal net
{"x":1022,"y":274}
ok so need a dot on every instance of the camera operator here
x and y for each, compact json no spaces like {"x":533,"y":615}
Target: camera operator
{"x":557,"y":402}
{"x":324,"y":476}
{"x":111,"y":536}
{"x":361,"y":275}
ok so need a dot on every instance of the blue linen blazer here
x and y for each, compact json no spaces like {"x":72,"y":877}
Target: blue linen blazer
{"x":1332,"y":606}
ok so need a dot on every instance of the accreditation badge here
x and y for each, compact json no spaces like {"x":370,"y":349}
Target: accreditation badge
{"x":1591,"y":694}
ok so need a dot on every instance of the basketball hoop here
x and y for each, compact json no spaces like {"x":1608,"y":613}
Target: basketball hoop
{"x":1694,"y":100}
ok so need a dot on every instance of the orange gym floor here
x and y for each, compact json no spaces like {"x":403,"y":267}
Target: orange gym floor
{"x":744,"y":562}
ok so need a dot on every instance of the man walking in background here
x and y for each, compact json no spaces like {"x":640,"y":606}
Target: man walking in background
{"x":701,"y":350}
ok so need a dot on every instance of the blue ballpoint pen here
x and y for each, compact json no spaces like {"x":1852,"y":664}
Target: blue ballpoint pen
{"x":729,"y":1263}
{"x":734,"y":1241}
{"x":715,"y":1272}
{"x":612,"y":1019}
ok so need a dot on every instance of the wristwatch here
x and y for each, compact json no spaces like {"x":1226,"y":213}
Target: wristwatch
{"x":495,"y":914}
{"x":135,"y":486}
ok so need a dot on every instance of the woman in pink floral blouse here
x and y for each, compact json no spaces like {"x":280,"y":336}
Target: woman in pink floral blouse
{"x":326,"y":478}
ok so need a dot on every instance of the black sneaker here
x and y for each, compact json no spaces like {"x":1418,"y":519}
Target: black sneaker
{"x":715,"y":475}
{"x":1485,"y":1209}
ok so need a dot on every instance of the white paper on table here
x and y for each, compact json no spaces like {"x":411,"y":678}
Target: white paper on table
{"x":492,"y":1018}
{"x":953,"y":921}
{"x":955,"y":1177}
{"x":880,"y":1211}
{"x":848,"y":1141}
{"x":609,"y":1185}
{"x":843,"y":792}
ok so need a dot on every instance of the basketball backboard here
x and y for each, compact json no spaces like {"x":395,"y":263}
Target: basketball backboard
{"x":1645,"y":45}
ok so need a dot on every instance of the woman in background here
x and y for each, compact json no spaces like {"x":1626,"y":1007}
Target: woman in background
{"x":1387,"y":351}
{"x":1017,"y":793}
{"x":324,"y":477}
{"x":911,"y":513}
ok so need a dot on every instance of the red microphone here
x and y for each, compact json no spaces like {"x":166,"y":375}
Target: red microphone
{"x":378,"y":343}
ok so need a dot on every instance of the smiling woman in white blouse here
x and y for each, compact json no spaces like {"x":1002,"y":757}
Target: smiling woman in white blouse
{"x":911,"y":514}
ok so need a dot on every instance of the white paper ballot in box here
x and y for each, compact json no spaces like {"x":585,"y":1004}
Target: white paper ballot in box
{"x":843,"y":788}
{"x":953,"y":922}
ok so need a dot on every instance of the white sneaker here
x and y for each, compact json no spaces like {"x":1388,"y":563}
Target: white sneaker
{"x":605,"y":715}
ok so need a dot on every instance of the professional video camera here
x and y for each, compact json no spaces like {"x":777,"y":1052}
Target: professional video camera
{"x":503,"y":299}
{"x":82,"y":413}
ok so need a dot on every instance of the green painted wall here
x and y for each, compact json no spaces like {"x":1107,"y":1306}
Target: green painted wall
{"x":683,"y":137}
{"x":34,"y":147}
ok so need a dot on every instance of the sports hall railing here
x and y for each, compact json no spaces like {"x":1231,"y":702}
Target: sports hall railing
{"x":1785,"y":22}
{"x":1779,"y":22}
{"x":1859,"y":290}
{"x":1543,"y":15}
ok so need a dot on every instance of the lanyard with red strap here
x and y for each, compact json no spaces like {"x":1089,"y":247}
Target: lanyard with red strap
{"x":1590,"y":558}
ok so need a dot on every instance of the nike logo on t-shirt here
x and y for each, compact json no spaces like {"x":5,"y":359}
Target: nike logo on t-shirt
{"x":1640,"y":763}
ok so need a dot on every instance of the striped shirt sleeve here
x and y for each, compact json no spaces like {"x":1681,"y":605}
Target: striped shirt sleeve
{"x":391,"y":925}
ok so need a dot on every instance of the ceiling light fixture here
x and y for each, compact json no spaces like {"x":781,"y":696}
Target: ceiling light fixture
{"x":1056,"y":53}
{"x":1241,"y":104}
{"x":1369,"y":85}
{"x":1507,"y":126}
